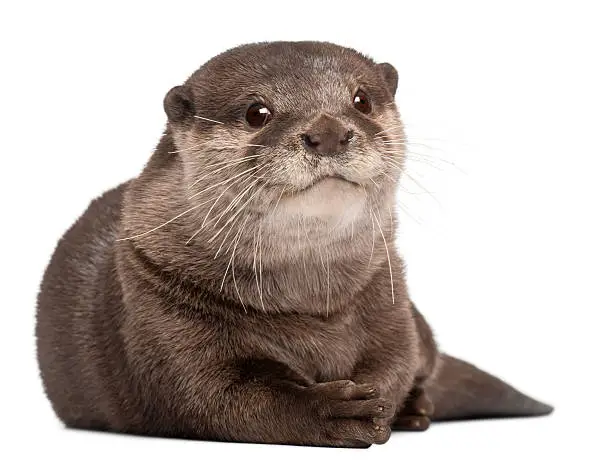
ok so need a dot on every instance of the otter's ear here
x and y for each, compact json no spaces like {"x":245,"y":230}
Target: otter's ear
{"x":389,"y":73}
{"x":178,"y":104}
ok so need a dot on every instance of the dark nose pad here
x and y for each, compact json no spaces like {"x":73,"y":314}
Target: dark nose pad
{"x":327,"y":137}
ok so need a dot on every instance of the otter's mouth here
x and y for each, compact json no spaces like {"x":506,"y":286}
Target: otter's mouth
{"x":329,"y":179}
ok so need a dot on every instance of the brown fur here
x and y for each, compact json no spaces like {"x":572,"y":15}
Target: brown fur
{"x":289,"y":330}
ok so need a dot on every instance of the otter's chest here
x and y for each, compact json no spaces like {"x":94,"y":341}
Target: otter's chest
{"x":319,"y":349}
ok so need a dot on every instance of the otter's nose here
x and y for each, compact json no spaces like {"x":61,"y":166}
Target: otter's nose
{"x":327,"y":136}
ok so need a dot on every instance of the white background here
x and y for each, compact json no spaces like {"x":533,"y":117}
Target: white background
{"x":512,"y":267}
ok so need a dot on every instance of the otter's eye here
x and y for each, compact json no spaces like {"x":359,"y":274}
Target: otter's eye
{"x":258,"y":115}
{"x":362,"y":102}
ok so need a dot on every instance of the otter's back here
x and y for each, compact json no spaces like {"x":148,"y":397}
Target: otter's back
{"x":78,"y":317}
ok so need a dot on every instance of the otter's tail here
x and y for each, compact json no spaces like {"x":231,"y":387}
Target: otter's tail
{"x":461,"y":391}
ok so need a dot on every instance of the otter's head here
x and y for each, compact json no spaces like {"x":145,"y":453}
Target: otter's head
{"x":300,"y":129}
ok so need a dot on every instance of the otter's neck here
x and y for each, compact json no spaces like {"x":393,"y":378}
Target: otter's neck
{"x":299,"y":264}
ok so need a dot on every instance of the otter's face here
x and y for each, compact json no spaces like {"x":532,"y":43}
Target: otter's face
{"x":309,"y":129}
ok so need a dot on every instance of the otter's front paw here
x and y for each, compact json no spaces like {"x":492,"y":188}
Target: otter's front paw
{"x":353,"y":415}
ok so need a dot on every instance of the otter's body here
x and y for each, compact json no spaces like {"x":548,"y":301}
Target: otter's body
{"x":196,"y":301}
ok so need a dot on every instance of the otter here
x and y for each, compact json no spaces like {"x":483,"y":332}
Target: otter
{"x":246,"y":286}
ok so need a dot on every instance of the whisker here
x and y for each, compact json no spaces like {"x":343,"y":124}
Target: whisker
{"x":302,"y":249}
{"x":260,"y":270}
{"x":404,"y":209}
{"x":401,"y":186}
{"x":229,"y":263}
{"x":388,"y":259}
{"x":328,"y":287}
{"x":224,"y":164}
{"x":433,"y":159}
{"x":414,"y":180}
{"x":189,"y":148}
{"x":224,"y":182}
{"x":412,"y":143}
{"x":237,"y":199}
{"x":230,"y":228}
{"x":408,"y":142}
{"x":258,"y":280}
{"x":395,"y":165}
{"x":212,"y":207}
{"x":412,"y":153}
{"x":401,"y":169}
{"x":373,"y":239}
{"x":425,"y":162}
{"x":279,"y":198}
{"x":224,"y":239}
{"x":394,"y":127}
{"x":208,"y":120}
{"x":339,"y":221}
{"x":166,"y":223}
{"x":327,"y":274}
{"x":239,"y":210}
{"x":212,"y":173}
{"x":310,"y":243}
{"x":232,"y":261}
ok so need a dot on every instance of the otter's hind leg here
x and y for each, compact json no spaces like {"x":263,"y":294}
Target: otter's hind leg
{"x":416,"y":413}
{"x":418,"y":408}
